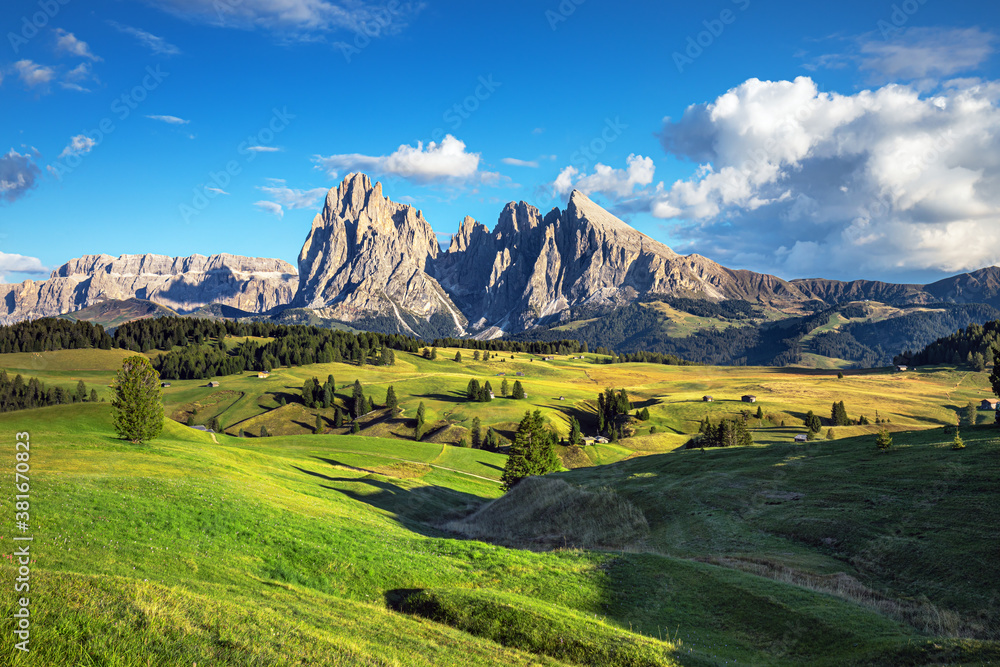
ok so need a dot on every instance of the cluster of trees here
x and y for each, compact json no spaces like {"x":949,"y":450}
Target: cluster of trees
{"x":491,"y":442}
{"x":531,"y":452}
{"x":514,"y":344}
{"x":611,"y":406}
{"x":291,"y":346}
{"x":838,"y":415}
{"x":50,"y":333}
{"x":316,"y":395}
{"x":475,"y":392}
{"x":17,"y":394}
{"x":972,"y":345}
{"x":727,"y":433}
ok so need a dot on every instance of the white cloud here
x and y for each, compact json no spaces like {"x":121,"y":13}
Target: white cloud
{"x":78,"y":145}
{"x":920,"y":53}
{"x":264,"y":149}
{"x":514,"y":162}
{"x":291,"y":198}
{"x":68,"y":43}
{"x":300,"y":19}
{"x":172,"y":120}
{"x":883,"y":181}
{"x":613,"y":183}
{"x":218,"y":191}
{"x":157,"y":45}
{"x":270,"y":207}
{"x":32,"y":74}
{"x":439,"y":162}
{"x":13,"y":263}
{"x":18,"y":174}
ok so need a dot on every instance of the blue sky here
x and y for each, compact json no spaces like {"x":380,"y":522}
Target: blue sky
{"x":844,"y":140}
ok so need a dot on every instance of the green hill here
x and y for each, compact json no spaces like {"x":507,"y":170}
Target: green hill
{"x":326,"y":549}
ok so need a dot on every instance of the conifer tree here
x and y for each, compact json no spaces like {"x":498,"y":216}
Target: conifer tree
{"x":518,"y":391}
{"x":418,"y":432}
{"x":504,"y":388}
{"x":391,"y":402}
{"x":532,"y":451}
{"x":137,"y":410}
{"x":476,"y":434}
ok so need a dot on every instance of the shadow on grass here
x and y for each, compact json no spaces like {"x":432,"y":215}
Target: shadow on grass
{"x":418,"y":508}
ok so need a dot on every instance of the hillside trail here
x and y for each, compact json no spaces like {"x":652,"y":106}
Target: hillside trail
{"x":957,"y":385}
{"x":214,"y":439}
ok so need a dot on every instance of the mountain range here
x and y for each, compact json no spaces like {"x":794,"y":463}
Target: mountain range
{"x":373,"y":263}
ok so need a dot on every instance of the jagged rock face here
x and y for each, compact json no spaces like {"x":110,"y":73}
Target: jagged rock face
{"x":181,"y":283}
{"x":366,"y":255}
{"x":532,"y":269}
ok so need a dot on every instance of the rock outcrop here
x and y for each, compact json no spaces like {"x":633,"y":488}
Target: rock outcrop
{"x":365,"y":260}
{"x":181,"y":283}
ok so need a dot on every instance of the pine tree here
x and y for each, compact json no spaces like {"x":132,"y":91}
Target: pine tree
{"x":338,"y":418}
{"x":760,"y":412}
{"x":458,"y":356}
{"x":491,"y":443}
{"x":434,"y":353}
{"x":472,"y":391}
{"x":319,"y":425}
{"x":263,"y":432}
{"x":213,"y":424}
{"x":81,"y":392}
{"x":883,"y":441}
{"x":355,"y":427}
{"x":476,"y":434}
{"x":574,"y":431}
{"x":391,"y":402}
{"x":418,"y":432}
{"x":531,"y":453}
{"x":93,"y":396}
{"x":357,"y":400}
{"x":971,"y":414}
{"x":504,"y":388}
{"x":475,"y":355}
{"x":463,"y":443}
{"x":518,"y":391}
{"x":137,"y":410}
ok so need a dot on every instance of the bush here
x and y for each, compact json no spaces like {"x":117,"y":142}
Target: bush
{"x":883,"y":441}
{"x":957,"y":442}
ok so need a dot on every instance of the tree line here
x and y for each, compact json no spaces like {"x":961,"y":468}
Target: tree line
{"x":16,"y":394}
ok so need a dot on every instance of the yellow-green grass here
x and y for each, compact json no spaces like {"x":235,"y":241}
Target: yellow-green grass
{"x":925,"y":398}
{"x":289,"y":549}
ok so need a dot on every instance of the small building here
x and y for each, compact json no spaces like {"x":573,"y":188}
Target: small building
{"x":213,"y":383}
{"x":562,"y":398}
{"x":520,"y":374}
{"x":900,"y":368}
{"x":588,"y":441}
{"x":164,"y":384}
{"x":801,"y":437}
{"x":748,"y":398}
{"x":263,"y":374}
{"x":601,"y":440}
{"x":989,"y":404}
{"x":492,"y":395}
{"x":501,"y":374}
{"x":549,"y":359}
{"x":707,"y":399}
{"x":201,"y":427}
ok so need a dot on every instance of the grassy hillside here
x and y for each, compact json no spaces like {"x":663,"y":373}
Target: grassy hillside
{"x":563,"y":388}
{"x":300,"y":549}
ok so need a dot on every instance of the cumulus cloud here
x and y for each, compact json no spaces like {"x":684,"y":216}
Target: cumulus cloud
{"x":32,"y":74}
{"x":612,"y":183}
{"x":78,"y":145}
{"x":438,"y":162}
{"x":270,"y":207}
{"x":920,"y":53}
{"x":514,"y":162}
{"x":156,"y":45}
{"x":299,"y":19}
{"x":18,"y":174}
{"x":67,"y":42}
{"x":291,"y":198}
{"x":883,"y":181}
{"x":13,"y":263}
{"x":172,"y":120}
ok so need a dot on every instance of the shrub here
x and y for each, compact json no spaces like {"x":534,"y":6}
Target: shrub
{"x":883,"y":441}
{"x":957,"y":442}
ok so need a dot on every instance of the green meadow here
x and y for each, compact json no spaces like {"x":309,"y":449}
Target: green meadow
{"x":325,"y":549}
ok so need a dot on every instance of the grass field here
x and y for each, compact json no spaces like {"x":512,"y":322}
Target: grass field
{"x":561,"y":389}
{"x":327,"y":549}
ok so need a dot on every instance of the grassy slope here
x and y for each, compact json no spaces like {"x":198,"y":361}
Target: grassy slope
{"x":913,"y":400}
{"x":262,"y":551}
